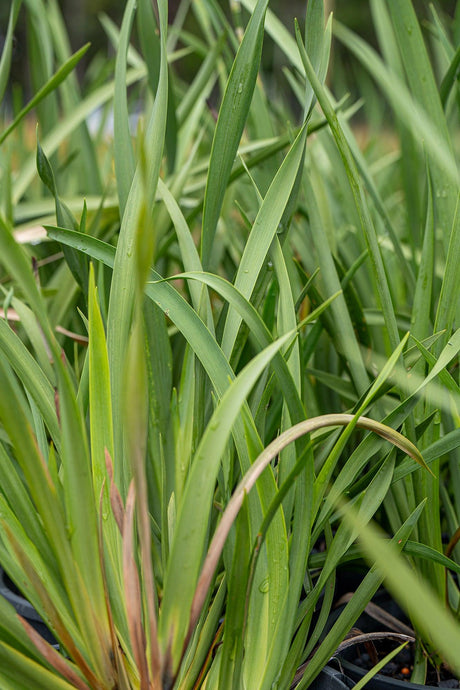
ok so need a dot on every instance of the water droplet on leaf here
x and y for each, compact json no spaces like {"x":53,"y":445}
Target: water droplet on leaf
{"x":263,"y":587}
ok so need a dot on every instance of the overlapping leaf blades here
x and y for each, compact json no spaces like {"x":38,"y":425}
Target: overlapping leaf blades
{"x":154,"y":425}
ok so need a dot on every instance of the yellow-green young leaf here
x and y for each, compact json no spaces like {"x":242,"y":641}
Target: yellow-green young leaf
{"x":123,"y":292}
{"x":56,"y":611}
{"x":12,"y":631}
{"x":188,"y":323}
{"x":375,"y":669}
{"x":100,"y":402}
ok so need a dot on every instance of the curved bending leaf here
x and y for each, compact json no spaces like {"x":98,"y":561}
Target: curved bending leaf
{"x":264,"y":459}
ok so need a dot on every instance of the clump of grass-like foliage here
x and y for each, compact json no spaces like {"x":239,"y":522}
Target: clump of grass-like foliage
{"x":203,"y":318}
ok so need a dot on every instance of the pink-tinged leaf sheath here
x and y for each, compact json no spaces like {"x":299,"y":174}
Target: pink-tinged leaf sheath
{"x":118,"y":656}
{"x":54,"y":658}
{"x":61,"y":629}
{"x":136,"y":424}
{"x":133,"y":592}
{"x":115,"y":497}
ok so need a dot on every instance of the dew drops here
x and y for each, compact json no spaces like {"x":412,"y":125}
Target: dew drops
{"x":263,"y":587}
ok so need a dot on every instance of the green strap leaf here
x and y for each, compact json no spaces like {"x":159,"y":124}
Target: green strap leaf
{"x":140,"y":202}
{"x":262,"y":233}
{"x":232,"y":117}
{"x":192,"y":520}
{"x":356,"y":185}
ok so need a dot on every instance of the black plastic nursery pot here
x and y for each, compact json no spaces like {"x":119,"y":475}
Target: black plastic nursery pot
{"x":332,"y":679}
{"x":379,"y":681}
{"x":24,"y":608}
{"x":355,"y":661}
{"x":388,"y":682}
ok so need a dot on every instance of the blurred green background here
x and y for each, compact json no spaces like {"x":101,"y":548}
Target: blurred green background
{"x":83,"y":24}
